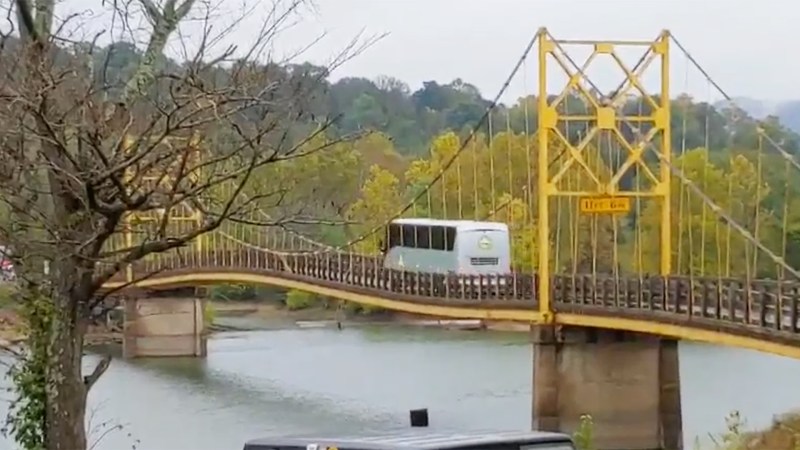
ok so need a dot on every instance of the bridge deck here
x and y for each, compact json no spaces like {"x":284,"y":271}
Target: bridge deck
{"x":761,"y":309}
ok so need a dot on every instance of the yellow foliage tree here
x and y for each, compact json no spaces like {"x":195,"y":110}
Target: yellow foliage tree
{"x":380,"y":199}
{"x":514,"y":212}
{"x":377,"y":149}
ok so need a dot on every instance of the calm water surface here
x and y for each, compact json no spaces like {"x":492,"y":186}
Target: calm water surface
{"x":317,"y":380}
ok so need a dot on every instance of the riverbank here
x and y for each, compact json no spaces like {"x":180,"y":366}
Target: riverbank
{"x":12,"y":331}
{"x":232,"y":315}
{"x":270,"y":315}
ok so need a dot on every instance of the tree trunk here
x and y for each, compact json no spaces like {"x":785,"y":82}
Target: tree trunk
{"x":66,"y":390}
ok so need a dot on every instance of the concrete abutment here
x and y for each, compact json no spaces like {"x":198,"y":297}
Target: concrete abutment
{"x":164,"y":326}
{"x":629,"y":383}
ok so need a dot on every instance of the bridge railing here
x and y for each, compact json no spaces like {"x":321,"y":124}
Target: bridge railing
{"x":763,"y":307}
{"x":344,"y":271}
{"x":766,"y":306}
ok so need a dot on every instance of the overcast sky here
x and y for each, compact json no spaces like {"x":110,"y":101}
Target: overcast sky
{"x":737,"y":41}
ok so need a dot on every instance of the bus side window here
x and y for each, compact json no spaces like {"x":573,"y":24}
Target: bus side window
{"x":409,"y":236}
{"x":393,"y":236}
{"x":423,"y":236}
{"x":450,"y":239}
{"x":443,"y":238}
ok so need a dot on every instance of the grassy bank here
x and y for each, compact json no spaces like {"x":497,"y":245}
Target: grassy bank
{"x":782,"y":434}
{"x":269,"y":311}
{"x":276,"y":313}
{"x":288,"y":306}
{"x":292,"y":302}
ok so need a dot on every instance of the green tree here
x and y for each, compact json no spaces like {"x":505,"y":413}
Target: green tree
{"x":380,"y":200}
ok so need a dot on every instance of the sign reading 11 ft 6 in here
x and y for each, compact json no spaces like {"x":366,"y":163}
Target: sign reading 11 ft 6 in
{"x":605,"y":205}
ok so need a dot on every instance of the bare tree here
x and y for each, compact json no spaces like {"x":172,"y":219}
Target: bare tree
{"x":82,"y":151}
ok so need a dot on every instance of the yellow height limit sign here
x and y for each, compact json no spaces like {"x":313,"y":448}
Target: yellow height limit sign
{"x":605,"y":205}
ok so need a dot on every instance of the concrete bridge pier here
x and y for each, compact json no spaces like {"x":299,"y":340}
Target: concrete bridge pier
{"x":629,"y":383}
{"x":164,"y":326}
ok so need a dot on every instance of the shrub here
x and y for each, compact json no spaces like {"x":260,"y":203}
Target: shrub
{"x":209,"y":314}
{"x":364,"y":310}
{"x":232,"y":292}
{"x":584,"y":435}
{"x":296,"y":300}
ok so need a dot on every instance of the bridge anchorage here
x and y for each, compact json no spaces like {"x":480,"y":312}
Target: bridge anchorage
{"x":629,"y":217}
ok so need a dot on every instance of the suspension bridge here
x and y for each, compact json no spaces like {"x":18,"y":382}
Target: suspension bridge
{"x":620,"y":217}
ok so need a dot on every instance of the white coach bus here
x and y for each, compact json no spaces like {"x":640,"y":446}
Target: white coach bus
{"x":462,"y":247}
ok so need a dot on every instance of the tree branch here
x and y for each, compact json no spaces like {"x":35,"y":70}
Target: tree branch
{"x":164,"y":23}
{"x":98,"y":371}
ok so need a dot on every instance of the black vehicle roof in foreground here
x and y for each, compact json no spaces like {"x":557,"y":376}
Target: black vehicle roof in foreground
{"x":411,"y":440}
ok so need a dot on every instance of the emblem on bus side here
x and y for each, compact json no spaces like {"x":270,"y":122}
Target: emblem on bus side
{"x":485,"y":243}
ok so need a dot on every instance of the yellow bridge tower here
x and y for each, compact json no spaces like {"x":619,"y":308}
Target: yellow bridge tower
{"x":561,"y":394}
{"x":605,"y":118}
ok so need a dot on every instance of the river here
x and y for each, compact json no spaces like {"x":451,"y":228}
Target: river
{"x":310,"y":380}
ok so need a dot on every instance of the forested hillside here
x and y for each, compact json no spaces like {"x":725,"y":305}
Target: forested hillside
{"x":411,"y":119}
{"x":788,"y":111}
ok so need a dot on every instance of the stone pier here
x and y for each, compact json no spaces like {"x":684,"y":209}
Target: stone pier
{"x":629,"y":383}
{"x":164,"y":326}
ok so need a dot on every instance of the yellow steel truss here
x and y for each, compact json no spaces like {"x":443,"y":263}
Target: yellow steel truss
{"x":603,"y":113}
